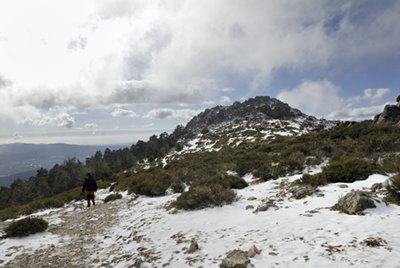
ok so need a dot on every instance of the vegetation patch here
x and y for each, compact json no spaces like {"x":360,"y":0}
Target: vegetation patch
{"x":315,"y":180}
{"x":26,"y":227}
{"x":374,"y":242}
{"x":202,"y":196}
{"x":349,"y":169}
{"x":112,"y":197}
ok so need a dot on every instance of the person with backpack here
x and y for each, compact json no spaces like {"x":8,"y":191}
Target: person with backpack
{"x":89,"y":188}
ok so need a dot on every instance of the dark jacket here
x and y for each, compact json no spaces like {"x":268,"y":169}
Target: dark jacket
{"x":89,"y":185}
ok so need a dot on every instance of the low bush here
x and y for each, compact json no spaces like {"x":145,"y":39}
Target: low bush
{"x":227,"y":181}
{"x":202,"y":196}
{"x":26,"y":227}
{"x":349,"y":169}
{"x":316,"y":180}
{"x":391,"y":164}
{"x":112,"y":197}
{"x":150,"y":184}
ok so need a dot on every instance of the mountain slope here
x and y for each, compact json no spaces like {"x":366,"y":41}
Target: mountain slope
{"x":259,"y":118}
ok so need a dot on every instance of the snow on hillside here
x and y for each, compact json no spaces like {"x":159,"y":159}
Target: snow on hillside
{"x":295,"y":233}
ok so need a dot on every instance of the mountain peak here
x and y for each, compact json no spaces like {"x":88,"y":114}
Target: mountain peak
{"x":260,"y":108}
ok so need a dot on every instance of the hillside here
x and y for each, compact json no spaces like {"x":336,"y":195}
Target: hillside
{"x":305,"y":191}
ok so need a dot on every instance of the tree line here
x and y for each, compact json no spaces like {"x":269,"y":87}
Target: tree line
{"x":103,"y":166}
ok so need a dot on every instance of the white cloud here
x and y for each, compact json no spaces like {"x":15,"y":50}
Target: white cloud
{"x":163,"y":113}
{"x":65,"y":120}
{"x":322,"y":99}
{"x":90,"y":126}
{"x":225,"y":100}
{"x":314,"y":97}
{"x":119,"y":112}
{"x":357,"y":113}
{"x":375,"y":95}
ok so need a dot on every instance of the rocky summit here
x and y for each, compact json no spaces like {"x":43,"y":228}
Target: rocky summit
{"x":390,"y":114}
{"x":252,"y":111}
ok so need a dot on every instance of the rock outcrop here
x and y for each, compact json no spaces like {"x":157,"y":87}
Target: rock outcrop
{"x":390,"y":114}
{"x":253,"y":110}
{"x":355,"y":202}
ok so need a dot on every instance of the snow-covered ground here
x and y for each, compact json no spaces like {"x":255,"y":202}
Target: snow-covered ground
{"x":297,"y":233}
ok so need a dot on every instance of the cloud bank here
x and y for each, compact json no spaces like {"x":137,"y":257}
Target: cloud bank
{"x":69,"y":54}
{"x":322,"y":99}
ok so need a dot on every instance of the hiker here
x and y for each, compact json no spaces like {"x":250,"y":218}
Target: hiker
{"x":89,"y":187}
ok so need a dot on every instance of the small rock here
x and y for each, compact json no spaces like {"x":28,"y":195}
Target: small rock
{"x":268,"y":204}
{"x":138,"y":263}
{"x":251,"y":198}
{"x":249,"y":207}
{"x":235,"y":259}
{"x":303,"y":191}
{"x":253,"y":251}
{"x":193,"y":247}
{"x":343,"y":186}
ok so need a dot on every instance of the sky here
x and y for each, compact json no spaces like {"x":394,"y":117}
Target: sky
{"x":115,"y":71}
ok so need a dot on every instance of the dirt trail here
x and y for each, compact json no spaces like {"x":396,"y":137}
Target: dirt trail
{"x":77,"y":246}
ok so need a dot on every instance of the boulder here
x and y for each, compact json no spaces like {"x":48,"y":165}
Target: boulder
{"x":390,"y":114}
{"x":355,"y":202}
{"x":253,"y":251}
{"x":235,"y":259}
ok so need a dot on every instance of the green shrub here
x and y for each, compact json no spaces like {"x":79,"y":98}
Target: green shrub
{"x":202,"y":196}
{"x":112,"y":197}
{"x":227,"y":181}
{"x":102,"y":184}
{"x":149,"y":184}
{"x":349,"y":169}
{"x":391,"y":164}
{"x":318,"y":179}
{"x":265,"y":172}
{"x":178,"y":187}
{"x":26,"y":227}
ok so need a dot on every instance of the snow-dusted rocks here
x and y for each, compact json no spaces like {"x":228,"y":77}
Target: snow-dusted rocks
{"x":235,"y":259}
{"x":355,"y":202}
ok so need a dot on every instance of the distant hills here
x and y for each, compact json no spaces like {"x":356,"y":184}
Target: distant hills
{"x":21,"y":160}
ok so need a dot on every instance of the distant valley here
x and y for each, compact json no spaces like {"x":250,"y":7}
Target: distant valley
{"x":21,"y":160}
